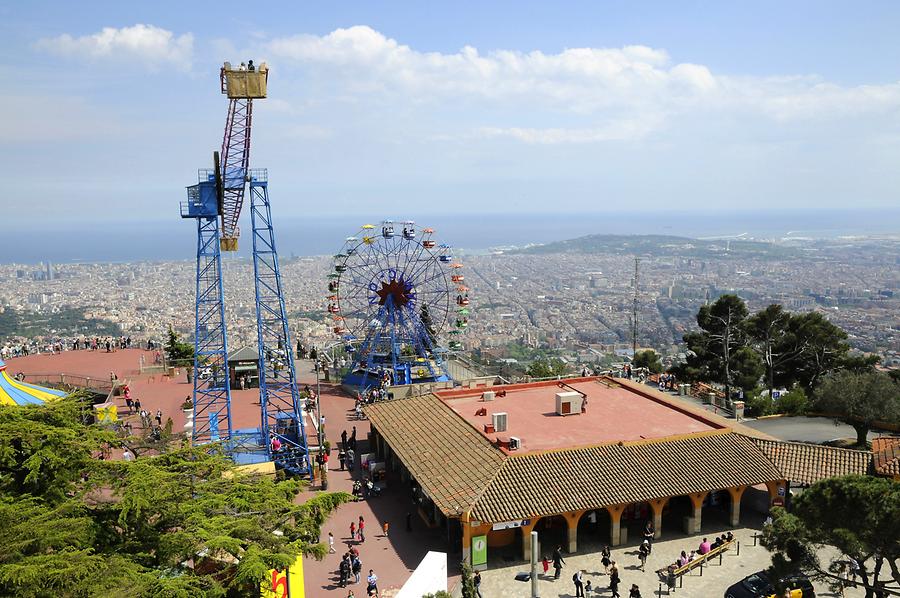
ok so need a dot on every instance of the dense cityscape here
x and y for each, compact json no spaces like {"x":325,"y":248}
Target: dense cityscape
{"x":577,"y":302}
{"x":650,"y":345}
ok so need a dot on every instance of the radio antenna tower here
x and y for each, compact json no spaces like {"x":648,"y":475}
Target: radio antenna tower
{"x":634,"y":310}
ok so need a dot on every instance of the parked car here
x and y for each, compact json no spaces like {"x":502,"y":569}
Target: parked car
{"x":759,"y":585}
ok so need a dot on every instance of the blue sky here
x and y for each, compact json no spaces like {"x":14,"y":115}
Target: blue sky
{"x":427,"y":108}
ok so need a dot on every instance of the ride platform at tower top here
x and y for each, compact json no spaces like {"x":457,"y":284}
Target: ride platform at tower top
{"x":241,"y":83}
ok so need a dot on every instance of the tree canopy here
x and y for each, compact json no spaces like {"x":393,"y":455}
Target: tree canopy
{"x":547,"y":368}
{"x":859,"y":516}
{"x":176,"y":350}
{"x":860,"y":399}
{"x":648,"y":359}
{"x":184,"y":523}
{"x":774,"y":346}
{"x":719,"y":352}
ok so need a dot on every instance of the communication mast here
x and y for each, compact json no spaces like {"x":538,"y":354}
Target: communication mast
{"x":634,"y":310}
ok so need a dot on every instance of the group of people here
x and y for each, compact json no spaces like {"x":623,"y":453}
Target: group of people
{"x":666,"y":382}
{"x":684,"y":558}
{"x":23,"y":347}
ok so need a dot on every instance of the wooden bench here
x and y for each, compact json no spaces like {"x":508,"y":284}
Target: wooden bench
{"x":668,"y":577}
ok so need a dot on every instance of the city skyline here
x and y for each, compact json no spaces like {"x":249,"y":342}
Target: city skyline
{"x":590,"y":108}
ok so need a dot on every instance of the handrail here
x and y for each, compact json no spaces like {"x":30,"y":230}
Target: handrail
{"x":101,"y":384}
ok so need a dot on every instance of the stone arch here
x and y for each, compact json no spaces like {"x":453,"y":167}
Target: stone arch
{"x":593,"y":529}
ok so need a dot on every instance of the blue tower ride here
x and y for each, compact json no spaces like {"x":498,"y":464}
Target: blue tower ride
{"x":282,"y":415}
{"x":212,"y":388}
{"x":216,"y":202}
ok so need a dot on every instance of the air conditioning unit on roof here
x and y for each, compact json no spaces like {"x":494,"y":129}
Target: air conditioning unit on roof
{"x":514,"y":443}
{"x":499,"y":421}
{"x":487,"y":395}
{"x":568,"y":403}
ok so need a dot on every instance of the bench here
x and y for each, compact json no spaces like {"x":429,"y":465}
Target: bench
{"x":668,"y":577}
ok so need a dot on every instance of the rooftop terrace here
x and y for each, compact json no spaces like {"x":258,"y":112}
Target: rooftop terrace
{"x":613,"y":413}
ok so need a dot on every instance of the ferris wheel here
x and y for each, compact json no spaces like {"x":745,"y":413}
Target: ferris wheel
{"x":394,"y":293}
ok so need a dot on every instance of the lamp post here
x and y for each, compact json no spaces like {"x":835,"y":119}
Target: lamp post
{"x":319,"y":392}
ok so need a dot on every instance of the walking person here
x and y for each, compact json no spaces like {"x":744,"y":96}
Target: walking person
{"x":649,"y":535}
{"x":634,"y":592}
{"x":614,"y":579}
{"x":643,"y":552}
{"x":605,"y":560}
{"x":356,"y":568}
{"x":384,"y":528}
{"x":361,"y":529}
{"x":372,"y":583}
{"x":159,"y":417}
{"x":345,"y":570}
{"x":476,"y":581}
{"x":352,"y":530}
{"x":579,"y":584}
{"x":558,"y":562}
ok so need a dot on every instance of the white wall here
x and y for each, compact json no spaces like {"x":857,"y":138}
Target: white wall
{"x":429,"y":577}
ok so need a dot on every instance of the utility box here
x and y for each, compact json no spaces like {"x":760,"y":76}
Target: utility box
{"x":739,"y":410}
{"x":499,"y":421}
{"x":244,"y":84}
{"x":568,"y":403}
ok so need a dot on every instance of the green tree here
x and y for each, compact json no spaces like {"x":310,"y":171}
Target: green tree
{"x":860,"y":400}
{"x":547,"y":368}
{"x":857,"y":515}
{"x":177,"y":351}
{"x":860,"y":363}
{"x":768,"y":330}
{"x":648,"y":359}
{"x":468,"y":582}
{"x":184,"y":523}
{"x":820,"y":348}
{"x":794,"y":402}
{"x":715,"y":352}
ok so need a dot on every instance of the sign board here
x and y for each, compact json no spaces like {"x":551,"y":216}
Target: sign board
{"x":479,"y":551}
{"x":284,"y":584}
{"x":781,"y":491}
{"x":510,"y":524}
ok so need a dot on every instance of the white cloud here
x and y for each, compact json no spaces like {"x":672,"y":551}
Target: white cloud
{"x":147,"y":44}
{"x":631,"y":91}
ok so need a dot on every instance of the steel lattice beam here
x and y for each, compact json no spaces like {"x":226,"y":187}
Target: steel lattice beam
{"x":281,"y":413}
{"x":212,"y":389}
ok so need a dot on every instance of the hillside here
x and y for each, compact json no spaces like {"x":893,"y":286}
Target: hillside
{"x":662,"y":245}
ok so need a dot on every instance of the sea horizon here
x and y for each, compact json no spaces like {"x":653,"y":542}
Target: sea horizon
{"x":475,"y":232}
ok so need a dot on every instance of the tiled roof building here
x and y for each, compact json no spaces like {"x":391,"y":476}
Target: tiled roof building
{"x":886,"y":456}
{"x":808,"y":463}
{"x":626,"y":450}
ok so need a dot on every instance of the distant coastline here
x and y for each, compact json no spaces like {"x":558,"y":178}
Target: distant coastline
{"x":319,"y":235}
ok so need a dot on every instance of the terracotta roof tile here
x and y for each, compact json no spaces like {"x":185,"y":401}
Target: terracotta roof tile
{"x":448,"y":457}
{"x":886,"y":454}
{"x":809,"y":463}
{"x":581,"y":478}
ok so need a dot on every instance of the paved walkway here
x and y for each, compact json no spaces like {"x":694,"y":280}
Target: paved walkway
{"x":393,"y":558}
{"x":500,"y":582}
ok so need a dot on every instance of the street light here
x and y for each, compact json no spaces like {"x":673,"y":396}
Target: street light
{"x":319,"y":393}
